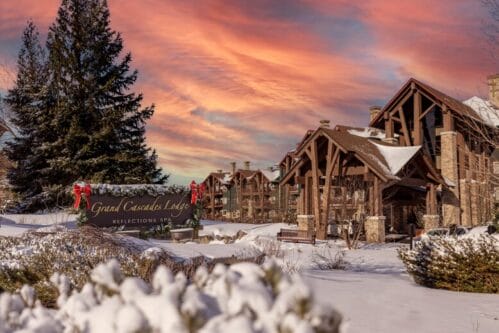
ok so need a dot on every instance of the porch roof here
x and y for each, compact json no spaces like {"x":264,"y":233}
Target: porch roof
{"x":384,"y":159}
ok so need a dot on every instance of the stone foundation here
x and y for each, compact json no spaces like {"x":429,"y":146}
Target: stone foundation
{"x":305,"y":222}
{"x":375,"y":229}
{"x":431,"y":221}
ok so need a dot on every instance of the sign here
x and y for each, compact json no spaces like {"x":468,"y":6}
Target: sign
{"x":139,"y":211}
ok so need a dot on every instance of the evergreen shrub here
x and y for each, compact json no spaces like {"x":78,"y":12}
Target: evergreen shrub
{"x":459,"y":264}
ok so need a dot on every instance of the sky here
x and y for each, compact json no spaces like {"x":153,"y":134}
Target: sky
{"x":244,"y":79}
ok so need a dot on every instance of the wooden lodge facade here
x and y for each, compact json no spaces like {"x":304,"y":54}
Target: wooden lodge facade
{"x":425,"y":158}
{"x":216,"y":188}
{"x":242,"y":195}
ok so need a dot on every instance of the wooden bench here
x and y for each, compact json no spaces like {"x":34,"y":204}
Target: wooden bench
{"x":296,"y":236}
{"x":182,"y":234}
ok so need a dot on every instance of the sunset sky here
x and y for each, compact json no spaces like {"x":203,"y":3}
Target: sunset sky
{"x":243,"y":80}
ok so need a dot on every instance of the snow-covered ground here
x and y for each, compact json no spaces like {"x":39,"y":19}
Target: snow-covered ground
{"x":16,"y":224}
{"x":374,"y":293}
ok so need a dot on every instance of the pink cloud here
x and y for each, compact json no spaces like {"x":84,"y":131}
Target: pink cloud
{"x":238,"y":80}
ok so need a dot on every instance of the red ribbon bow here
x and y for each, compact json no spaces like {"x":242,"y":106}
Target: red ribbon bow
{"x":197,"y":191}
{"x":78,"y":191}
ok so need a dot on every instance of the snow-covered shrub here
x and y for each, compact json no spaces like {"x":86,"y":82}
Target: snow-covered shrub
{"x":241,"y":298}
{"x":289,"y":260}
{"x":270,"y":246}
{"x":327,"y":258}
{"x":35,"y":256}
{"x":461,"y":264}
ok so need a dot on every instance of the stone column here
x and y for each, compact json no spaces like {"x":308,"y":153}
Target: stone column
{"x":464,"y":189}
{"x":450,"y":198}
{"x":431,"y":221}
{"x":305,"y":222}
{"x":375,"y":229}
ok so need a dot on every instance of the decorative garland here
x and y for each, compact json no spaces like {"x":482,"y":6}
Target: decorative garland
{"x":137,"y":190}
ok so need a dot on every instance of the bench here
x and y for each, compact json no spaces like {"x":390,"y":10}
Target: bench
{"x":182,"y":234}
{"x":296,"y":236}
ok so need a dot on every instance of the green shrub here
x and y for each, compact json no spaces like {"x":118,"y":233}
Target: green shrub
{"x":459,"y":264}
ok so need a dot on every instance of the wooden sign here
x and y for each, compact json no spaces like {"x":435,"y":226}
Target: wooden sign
{"x":107,"y":210}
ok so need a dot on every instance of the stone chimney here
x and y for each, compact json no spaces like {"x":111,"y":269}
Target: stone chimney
{"x":324,"y":123}
{"x":233,"y":167}
{"x":246,"y":165}
{"x":493,"y":82}
{"x":373,"y":112}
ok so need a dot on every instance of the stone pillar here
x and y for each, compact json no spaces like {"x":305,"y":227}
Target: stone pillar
{"x":464,"y":196}
{"x":474,"y":198}
{"x":450,"y":198}
{"x":305,"y":222}
{"x":375,"y":229}
{"x":431,"y":221}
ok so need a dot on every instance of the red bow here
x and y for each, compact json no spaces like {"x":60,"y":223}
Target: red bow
{"x":78,"y":191}
{"x":197,"y":192}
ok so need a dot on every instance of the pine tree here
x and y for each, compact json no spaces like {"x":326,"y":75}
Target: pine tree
{"x":98,"y":123}
{"x":26,"y":101}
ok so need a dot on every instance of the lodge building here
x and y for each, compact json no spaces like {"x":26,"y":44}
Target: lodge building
{"x":242,"y":194}
{"x":425,"y":158}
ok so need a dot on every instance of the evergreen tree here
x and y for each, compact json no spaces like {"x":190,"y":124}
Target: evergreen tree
{"x":26,"y":101}
{"x":98,"y":124}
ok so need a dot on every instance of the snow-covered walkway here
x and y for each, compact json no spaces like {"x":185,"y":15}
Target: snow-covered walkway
{"x":376,"y":302}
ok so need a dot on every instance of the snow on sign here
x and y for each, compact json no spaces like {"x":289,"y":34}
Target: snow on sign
{"x":136,"y":205}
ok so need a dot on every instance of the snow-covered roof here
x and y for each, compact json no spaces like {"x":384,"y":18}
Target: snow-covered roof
{"x":272,"y":175}
{"x":227,"y":178}
{"x":396,"y":157}
{"x":485,"y":109}
{"x":368,"y":132}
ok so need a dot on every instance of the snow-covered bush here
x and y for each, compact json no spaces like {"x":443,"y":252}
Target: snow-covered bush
{"x":242,"y":298}
{"x":33,"y":257}
{"x":460,"y":264}
{"x":328,"y":258}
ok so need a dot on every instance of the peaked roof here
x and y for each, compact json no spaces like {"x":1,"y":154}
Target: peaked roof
{"x":452,"y":103}
{"x":223,"y":177}
{"x":384,"y":159}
